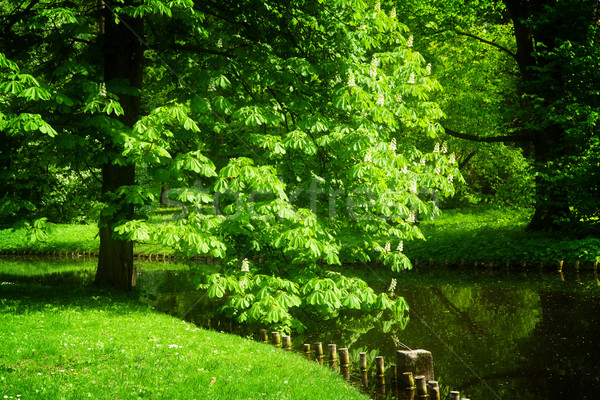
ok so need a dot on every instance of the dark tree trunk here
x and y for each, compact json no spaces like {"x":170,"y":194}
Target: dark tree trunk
{"x":551,"y":199}
{"x":123,"y":60}
{"x":115,"y":261}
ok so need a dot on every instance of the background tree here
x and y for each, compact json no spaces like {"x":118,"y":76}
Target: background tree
{"x":309,"y":111}
{"x":551,"y":106}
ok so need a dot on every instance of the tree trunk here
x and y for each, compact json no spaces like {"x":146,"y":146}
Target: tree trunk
{"x":551,"y":198}
{"x":123,"y":60}
{"x":115,"y":260}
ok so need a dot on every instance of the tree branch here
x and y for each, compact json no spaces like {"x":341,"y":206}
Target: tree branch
{"x":496,"y":45}
{"x":464,"y":162}
{"x":522,"y":136}
{"x":202,"y":50}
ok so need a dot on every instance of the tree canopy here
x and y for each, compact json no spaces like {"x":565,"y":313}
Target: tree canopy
{"x":299,"y":135}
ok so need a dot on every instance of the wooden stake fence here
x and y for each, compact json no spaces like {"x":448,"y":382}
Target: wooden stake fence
{"x":409,"y":379}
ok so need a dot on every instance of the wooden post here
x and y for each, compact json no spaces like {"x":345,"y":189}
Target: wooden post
{"x":306,"y":347}
{"x":595,"y":266}
{"x":421,"y":384}
{"x":332,"y":352}
{"x":264,"y":336}
{"x":318,"y":349}
{"x":276,"y":338}
{"x":380,"y":370}
{"x":363,"y":361}
{"x":577,"y":265}
{"x":364,"y":378}
{"x":433,"y":390}
{"x":344,"y":356}
{"x":406,"y":381}
{"x":345,"y":363}
{"x":560,"y":265}
{"x":319,"y":353}
{"x":419,"y":362}
{"x":393,"y":373}
{"x":286,"y":342}
{"x":454,"y":395}
{"x":333,"y":361}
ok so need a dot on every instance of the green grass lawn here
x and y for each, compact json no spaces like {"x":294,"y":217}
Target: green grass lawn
{"x":76,"y":343}
{"x":488,"y":234}
{"x":68,"y":238}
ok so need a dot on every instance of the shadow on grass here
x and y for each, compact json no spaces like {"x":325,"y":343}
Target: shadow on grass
{"x":20,"y":298}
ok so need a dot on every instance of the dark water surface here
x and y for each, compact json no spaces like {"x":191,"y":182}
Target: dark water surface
{"x":493,"y":335}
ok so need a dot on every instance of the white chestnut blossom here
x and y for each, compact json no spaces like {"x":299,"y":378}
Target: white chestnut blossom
{"x":393,"y":13}
{"x":411,"y":78}
{"x":400,"y":246}
{"x":245,"y":265}
{"x":368,"y":157}
{"x":392,"y":286}
{"x":410,"y":40}
{"x":393,"y":144}
{"x":387,"y":248}
{"x":372,"y":71}
{"x":351,"y":80}
{"x":380,"y":100}
{"x":212,"y":87}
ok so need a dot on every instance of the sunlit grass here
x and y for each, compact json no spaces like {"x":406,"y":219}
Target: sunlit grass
{"x":86,"y":343}
{"x":488,"y":234}
{"x":67,"y":238}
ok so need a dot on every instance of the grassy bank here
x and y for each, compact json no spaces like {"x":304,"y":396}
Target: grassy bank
{"x":489,"y":234}
{"x":87,"y":343}
{"x":481,"y":234}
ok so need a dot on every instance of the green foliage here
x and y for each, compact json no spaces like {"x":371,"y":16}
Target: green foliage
{"x":284,"y":304}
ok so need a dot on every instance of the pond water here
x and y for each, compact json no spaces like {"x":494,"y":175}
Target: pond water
{"x":493,"y":335}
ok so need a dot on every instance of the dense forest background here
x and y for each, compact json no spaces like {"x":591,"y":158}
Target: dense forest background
{"x":308,"y":133}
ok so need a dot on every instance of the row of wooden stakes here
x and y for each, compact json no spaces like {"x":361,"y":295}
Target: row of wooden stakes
{"x":84,"y":255}
{"x":508,"y":264}
{"x":411,"y":377}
